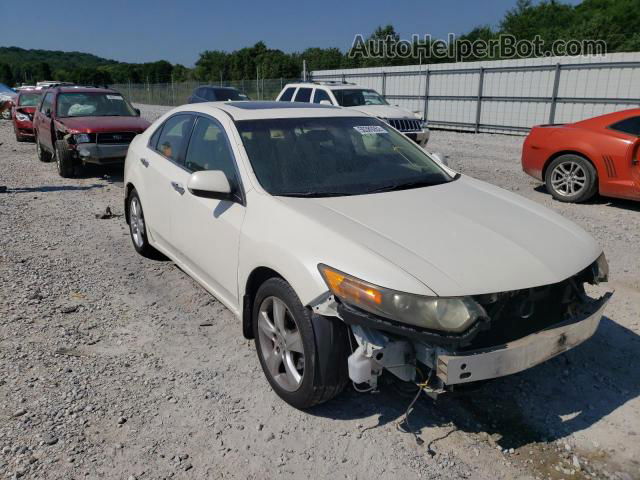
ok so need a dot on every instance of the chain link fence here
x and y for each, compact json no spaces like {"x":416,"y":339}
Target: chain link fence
{"x":177,"y":93}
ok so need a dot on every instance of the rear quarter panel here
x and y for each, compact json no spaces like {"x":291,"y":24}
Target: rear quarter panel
{"x":596,"y":144}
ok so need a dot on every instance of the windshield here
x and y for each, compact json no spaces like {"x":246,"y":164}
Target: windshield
{"x":29,"y":99}
{"x":337,"y":156}
{"x":93,"y":105}
{"x":224,"y":94}
{"x":356,"y":97}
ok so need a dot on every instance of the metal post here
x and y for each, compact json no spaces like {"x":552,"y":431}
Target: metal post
{"x":425,"y":116}
{"x":479,"y":104}
{"x":384,"y":84}
{"x":344,"y":78}
{"x":554,"y":95}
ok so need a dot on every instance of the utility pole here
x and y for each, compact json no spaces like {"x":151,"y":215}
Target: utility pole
{"x":304,"y":70}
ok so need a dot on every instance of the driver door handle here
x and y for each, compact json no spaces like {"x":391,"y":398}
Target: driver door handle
{"x":144,"y":162}
{"x":178,"y":188}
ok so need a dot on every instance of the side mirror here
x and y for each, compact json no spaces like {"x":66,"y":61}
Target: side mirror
{"x":325,"y":102}
{"x":137,"y":110}
{"x":48,"y":113}
{"x":441,"y":158}
{"x":210,"y":184}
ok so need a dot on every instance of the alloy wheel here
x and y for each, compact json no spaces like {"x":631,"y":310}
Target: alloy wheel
{"x":281,"y":343}
{"x":568,"y":179}
{"x":136,"y":222}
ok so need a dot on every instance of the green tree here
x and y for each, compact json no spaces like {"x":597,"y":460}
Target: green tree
{"x":42,"y":71}
{"x":6,"y":75}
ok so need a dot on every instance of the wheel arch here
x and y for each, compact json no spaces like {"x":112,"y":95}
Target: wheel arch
{"x":257,"y":277}
{"x":127,"y":191}
{"x":568,"y":152}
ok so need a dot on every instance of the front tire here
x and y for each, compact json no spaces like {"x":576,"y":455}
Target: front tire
{"x":64,"y":159}
{"x":571,"y":178}
{"x":41,"y":153}
{"x":138,"y":226}
{"x":304,"y":356}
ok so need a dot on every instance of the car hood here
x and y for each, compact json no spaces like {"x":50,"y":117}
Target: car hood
{"x":384,"y":111}
{"x":104,"y":124}
{"x":30,"y":110}
{"x":464,"y":237}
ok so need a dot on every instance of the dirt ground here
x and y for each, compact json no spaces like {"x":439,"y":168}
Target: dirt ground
{"x":116,"y":366}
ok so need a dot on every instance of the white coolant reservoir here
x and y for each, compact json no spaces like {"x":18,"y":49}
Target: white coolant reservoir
{"x":360,"y":367}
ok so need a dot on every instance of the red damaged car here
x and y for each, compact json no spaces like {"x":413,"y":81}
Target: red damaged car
{"x":81,"y":125}
{"x":22,"y":113}
{"x":578,"y":160}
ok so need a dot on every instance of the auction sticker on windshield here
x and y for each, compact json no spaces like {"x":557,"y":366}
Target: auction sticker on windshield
{"x":370,"y":129}
{"x":114,"y":97}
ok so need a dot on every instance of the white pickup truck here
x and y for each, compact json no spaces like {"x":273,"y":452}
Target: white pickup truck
{"x":363,"y":100}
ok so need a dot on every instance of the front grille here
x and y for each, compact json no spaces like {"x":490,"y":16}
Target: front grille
{"x":405,"y":124}
{"x":116,"y":138}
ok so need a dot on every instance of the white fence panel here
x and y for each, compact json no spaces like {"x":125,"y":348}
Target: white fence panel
{"x":505,"y":95}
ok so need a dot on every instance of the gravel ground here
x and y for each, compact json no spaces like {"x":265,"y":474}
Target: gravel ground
{"x":115,"y":366}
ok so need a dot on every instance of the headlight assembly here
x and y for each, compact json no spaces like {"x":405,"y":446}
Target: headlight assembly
{"x":21,"y":117}
{"x":601,"y":269}
{"x":451,"y":314}
{"x":82,"y":138}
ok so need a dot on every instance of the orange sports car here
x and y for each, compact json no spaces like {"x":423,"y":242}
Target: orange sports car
{"x":578,"y":160}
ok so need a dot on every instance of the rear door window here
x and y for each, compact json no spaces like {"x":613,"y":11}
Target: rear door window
{"x":629,"y":125}
{"x":174,"y":137}
{"x":209,"y":94}
{"x":288,"y":93}
{"x":303,"y":95}
{"x":321,"y":95}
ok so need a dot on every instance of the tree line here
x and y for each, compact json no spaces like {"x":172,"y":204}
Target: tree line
{"x":614,"y":21}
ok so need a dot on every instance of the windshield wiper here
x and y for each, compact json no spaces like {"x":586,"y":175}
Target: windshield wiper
{"x":314,"y":194}
{"x":406,"y":185}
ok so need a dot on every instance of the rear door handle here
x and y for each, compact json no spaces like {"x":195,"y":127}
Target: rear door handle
{"x":178,"y":188}
{"x":144,"y":162}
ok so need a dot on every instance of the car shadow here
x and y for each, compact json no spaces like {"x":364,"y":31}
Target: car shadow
{"x":112,"y":174}
{"x":565,"y":395}
{"x":54,"y":188}
{"x":600,"y":200}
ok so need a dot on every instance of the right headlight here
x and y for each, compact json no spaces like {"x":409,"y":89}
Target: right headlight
{"x":82,"y":138}
{"x":601,"y":269}
{"x":451,"y":314}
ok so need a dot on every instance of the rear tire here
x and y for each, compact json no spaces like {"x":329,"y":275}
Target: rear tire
{"x":303,"y":355}
{"x":64,"y":160}
{"x":41,"y":153}
{"x":138,"y":226}
{"x":571,"y":178}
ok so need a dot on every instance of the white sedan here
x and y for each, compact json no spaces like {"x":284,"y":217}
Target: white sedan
{"x":345,"y":250}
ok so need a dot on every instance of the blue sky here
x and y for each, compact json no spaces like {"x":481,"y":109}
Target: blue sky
{"x":177,"y":30}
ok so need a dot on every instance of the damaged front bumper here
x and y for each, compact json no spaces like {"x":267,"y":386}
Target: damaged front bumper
{"x":456,"y":368}
{"x":452,"y":359}
{"x":102,"y":154}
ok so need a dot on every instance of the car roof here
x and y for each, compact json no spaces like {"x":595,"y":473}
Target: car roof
{"x":259,"y":110}
{"x":218,"y":88}
{"x":329,"y":86}
{"x":608,"y":118}
{"x":74,"y":89}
